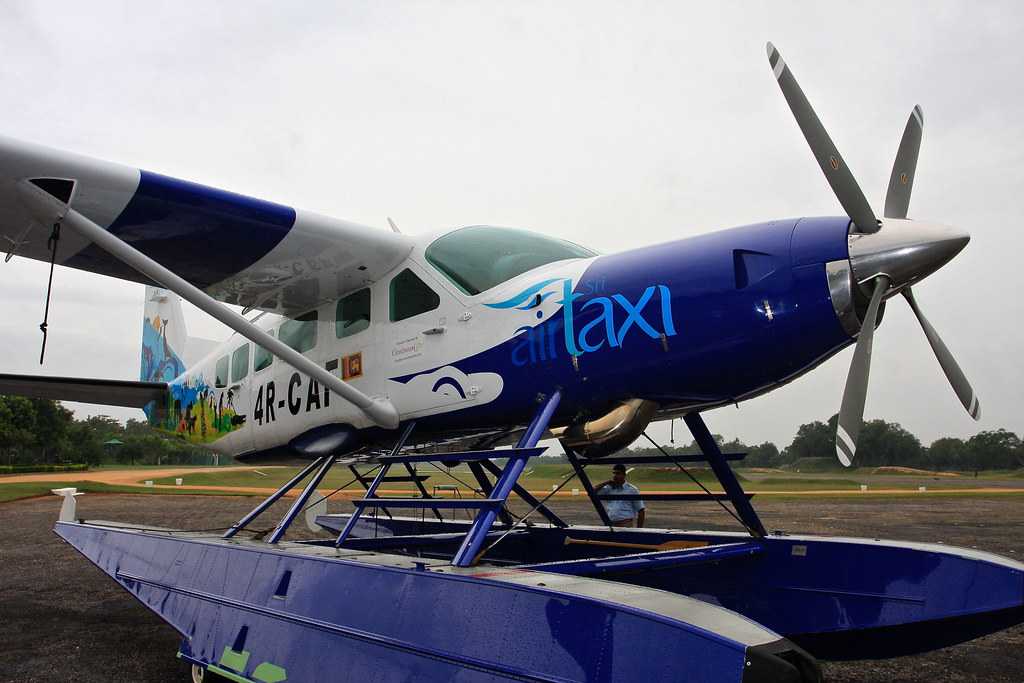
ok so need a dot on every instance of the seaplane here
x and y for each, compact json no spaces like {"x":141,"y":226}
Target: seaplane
{"x":380,"y":349}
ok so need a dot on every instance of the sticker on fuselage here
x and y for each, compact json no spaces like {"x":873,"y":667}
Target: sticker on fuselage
{"x":352,"y":366}
{"x":297,"y":397}
{"x":617,"y":317}
{"x":407,"y":349}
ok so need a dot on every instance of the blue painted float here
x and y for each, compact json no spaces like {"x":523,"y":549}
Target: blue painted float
{"x":312,"y":612}
{"x":839,"y":598}
{"x":402,"y":599}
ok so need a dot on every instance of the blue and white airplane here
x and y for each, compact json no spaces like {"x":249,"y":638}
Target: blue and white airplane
{"x":362,"y":329}
{"x":366,"y":338}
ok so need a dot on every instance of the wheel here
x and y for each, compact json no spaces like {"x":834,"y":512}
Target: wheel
{"x":201,"y":675}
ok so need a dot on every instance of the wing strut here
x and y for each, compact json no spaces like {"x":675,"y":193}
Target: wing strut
{"x":49,"y":210}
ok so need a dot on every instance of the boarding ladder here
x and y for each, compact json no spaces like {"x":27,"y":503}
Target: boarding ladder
{"x":488,"y":508}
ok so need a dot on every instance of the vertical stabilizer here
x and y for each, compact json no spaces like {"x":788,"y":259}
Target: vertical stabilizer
{"x":163,"y":337}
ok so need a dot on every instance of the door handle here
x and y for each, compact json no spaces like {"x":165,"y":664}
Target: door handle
{"x":434,"y":330}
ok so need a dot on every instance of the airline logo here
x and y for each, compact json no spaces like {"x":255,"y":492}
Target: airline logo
{"x":614,"y":319}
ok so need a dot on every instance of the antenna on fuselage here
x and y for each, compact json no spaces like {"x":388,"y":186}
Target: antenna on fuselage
{"x":393,"y":226}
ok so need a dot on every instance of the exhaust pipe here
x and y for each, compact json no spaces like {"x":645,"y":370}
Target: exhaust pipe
{"x":609,"y":433}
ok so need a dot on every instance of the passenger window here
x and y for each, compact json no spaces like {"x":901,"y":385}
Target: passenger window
{"x":262,"y":358}
{"x":240,"y":363}
{"x":410,"y":296}
{"x":221,"y":380}
{"x":300,"y":333}
{"x":353,"y":314}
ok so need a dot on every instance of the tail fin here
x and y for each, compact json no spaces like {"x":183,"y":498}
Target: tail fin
{"x":163,"y":337}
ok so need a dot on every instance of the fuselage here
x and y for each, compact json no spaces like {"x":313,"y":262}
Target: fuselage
{"x":700,"y":321}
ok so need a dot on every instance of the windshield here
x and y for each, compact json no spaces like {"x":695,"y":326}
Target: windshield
{"x":480,"y":257}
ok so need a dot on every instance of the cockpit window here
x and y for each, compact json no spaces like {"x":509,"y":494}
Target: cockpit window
{"x":480,"y":257}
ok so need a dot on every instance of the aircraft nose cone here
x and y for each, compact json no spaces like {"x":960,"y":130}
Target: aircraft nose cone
{"x":906,"y":251}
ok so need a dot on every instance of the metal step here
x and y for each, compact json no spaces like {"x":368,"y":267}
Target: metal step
{"x":446,"y":503}
{"x":397,"y":478}
{"x":462,"y":456}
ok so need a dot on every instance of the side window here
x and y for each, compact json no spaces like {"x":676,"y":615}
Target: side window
{"x":353,"y":314}
{"x":240,"y":363}
{"x":300,"y":333}
{"x":221,"y":380}
{"x":263,"y":358}
{"x":410,"y":296}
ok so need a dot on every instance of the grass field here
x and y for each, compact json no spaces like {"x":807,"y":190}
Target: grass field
{"x":544,"y":476}
{"x":537,"y":477}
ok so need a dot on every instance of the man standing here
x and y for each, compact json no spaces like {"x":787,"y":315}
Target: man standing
{"x":622,"y":512}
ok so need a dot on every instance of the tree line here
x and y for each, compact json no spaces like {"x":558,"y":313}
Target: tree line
{"x":880,"y":444}
{"x":36,"y":432}
{"x":39,"y":432}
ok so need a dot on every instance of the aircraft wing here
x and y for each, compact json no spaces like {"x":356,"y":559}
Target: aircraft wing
{"x":238,"y":249}
{"x":102,"y":391}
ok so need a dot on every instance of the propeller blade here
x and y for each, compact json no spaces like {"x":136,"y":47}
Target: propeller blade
{"x":844,"y":185}
{"x":851,"y":414}
{"x":954,"y":374}
{"x":901,"y":182}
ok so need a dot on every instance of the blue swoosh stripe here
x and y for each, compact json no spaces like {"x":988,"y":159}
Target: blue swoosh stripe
{"x":524,"y":295}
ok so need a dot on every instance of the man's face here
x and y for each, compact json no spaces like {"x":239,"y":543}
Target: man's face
{"x":618,"y":477}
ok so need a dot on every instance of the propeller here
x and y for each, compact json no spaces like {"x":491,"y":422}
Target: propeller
{"x":954,"y":374}
{"x":851,"y":413}
{"x":837,"y":173}
{"x":886,"y":257}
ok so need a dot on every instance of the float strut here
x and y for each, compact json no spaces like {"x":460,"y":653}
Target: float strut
{"x":588,"y":486}
{"x":468,"y":553}
{"x":527,"y":497}
{"x":300,"y":502}
{"x":725,"y":474}
{"x":262,"y":507}
{"x":371,"y":492}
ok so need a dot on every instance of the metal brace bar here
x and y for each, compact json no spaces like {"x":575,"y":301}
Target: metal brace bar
{"x":366,"y":485}
{"x":488,"y":489}
{"x":422,"y":489}
{"x":300,"y":502}
{"x":470,"y":549}
{"x":357,"y":513}
{"x":372,"y":491}
{"x":588,"y":486}
{"x":262,"y":507}
{"x":528,"y":497}
{"x":725,"y":475}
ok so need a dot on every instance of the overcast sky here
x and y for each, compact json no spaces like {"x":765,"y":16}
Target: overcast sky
{"x":611,"y":124}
